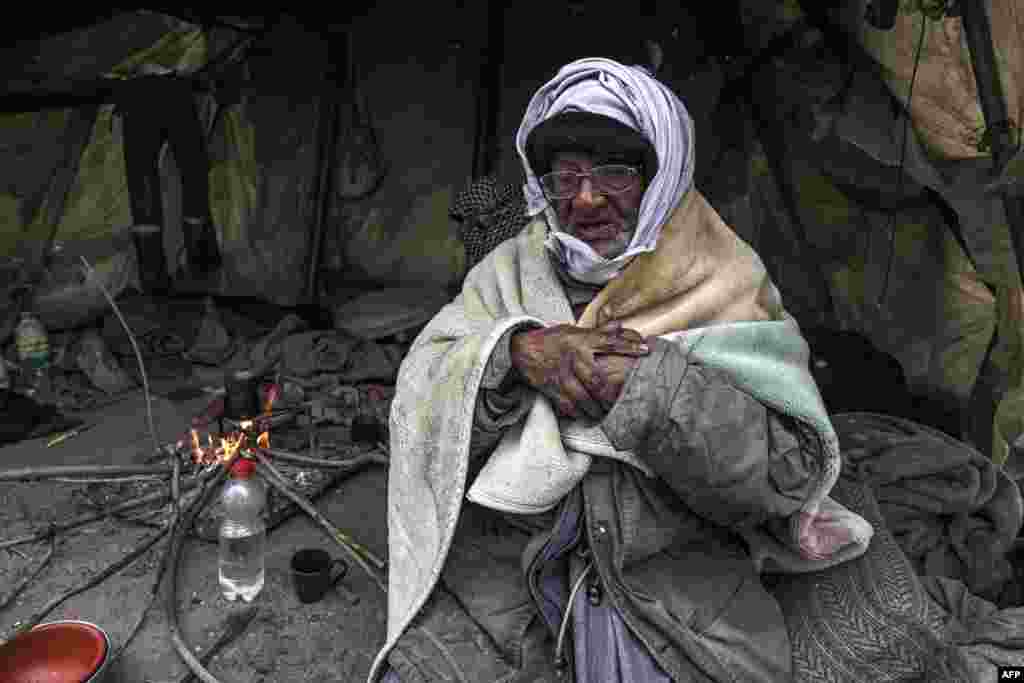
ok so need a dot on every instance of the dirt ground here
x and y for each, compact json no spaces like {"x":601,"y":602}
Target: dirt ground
{"x":328,"y":641}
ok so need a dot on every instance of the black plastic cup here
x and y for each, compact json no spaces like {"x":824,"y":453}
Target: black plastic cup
{"x":311,"y":572}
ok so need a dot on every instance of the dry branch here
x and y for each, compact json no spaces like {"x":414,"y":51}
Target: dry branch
{"x":86,"y":585}
{"x":349,"y":463}
{"x":111,"y":480}
{"x":31,"y":473}
{"x":28,"y":579}
{"x":82,"y":520}
{"x":155,"y":591}
{"x":174,"y":559}
{"x":359,"y":554}
{"x":145,"y":610}
{"x":236,"y":625}
{"x":90,"y":275}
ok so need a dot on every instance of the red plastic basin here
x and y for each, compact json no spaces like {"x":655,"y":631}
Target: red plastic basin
{"x":60,"y":652}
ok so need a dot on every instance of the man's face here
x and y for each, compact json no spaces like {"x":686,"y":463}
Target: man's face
{"x":605,"y":222}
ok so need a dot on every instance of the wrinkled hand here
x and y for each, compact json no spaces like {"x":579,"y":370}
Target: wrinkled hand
{"x":580,"y":370}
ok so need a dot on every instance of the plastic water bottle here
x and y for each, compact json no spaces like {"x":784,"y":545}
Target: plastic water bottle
{"x":33,"y":346}
{"x":243,"y":533}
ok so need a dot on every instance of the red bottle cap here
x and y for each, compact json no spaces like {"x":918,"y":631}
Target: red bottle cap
{"x":242,"y":468}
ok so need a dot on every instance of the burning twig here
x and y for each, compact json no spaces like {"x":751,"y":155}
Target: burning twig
{"x":359,"y":554}
{"x":89,"y":273}
{"x":86,"y":585}
{"x":231,"y":444}
{"x":33,"y":473}
{"x":348,"y":463}
{"x":82,"y":520}
{"x":28,"y":579}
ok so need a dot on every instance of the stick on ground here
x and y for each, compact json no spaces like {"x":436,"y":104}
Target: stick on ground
{"x":348,"y":463}
{"x":93,"y":581}
{"x":90,"y":275}
{"x":174,"y":554}
{"x":82,"y":520}
{"x":55,"y":471}
{"x":155,"y":591}
{"x":145,"y":610}
{"x":359,"y":554}
{"x":236,"y":625}
{"x":28,"y":579}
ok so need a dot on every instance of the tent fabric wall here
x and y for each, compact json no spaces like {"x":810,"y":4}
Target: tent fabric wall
{"x":263,"y":154}
{"x":945,"y":106}
{"x":948,"y":120}
{"x":94,"y":218}
{"x":940,"y":309}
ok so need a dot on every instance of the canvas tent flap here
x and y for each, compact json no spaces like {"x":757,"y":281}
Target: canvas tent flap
{"x":91,"y":217}
{"x":945,"y":108}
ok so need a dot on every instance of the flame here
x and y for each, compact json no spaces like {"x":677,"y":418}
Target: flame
{"x":197,"y":451}
{"x":268,"y":402}
{"x":229,"y":445}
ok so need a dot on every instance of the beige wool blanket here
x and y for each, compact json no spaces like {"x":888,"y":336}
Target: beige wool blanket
{"x":702,"y":287}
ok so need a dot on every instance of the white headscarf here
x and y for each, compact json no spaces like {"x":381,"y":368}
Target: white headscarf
{"x":632,"y":96}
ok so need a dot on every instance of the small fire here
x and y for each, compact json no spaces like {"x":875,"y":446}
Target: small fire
{"x":268,"y":400}
{"x":212,"y":454}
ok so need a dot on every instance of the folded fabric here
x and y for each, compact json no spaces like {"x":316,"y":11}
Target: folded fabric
{"x":310,"y":353}
{"x":705,"y":288}
{"x":441,"y":378}
{"x":953,"y":511}
{"x":537,"y":463}
{"x":702,"y":273}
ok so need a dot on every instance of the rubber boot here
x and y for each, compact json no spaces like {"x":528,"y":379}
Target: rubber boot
{"x":149,"y":248}
{"x":201,"y":246}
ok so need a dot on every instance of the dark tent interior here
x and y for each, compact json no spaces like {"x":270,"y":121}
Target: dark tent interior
{"x":226,"y":227}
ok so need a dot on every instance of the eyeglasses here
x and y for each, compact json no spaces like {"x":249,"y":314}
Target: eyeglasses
{"x":610,"y":179}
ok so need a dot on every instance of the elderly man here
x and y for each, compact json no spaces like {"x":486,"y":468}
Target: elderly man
{"x":603,"y":439}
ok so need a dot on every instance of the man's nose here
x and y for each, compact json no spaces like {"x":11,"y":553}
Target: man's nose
{"x":587,"y":197}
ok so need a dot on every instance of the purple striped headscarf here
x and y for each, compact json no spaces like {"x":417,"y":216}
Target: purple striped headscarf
{"x":632,"y":96}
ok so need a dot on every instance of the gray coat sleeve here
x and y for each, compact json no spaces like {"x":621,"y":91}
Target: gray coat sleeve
{"x":501,"y":402}
{"x":731,"y":459}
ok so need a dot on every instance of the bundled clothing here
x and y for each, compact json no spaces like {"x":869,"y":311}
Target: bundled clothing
{"x":646,"y":532}
{"x":955,"y":513}
{"x":883,"y":617}
{"x":691,"y":463}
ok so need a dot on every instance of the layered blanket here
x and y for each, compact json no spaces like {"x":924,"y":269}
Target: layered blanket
{"x":905,"y":610}
{"x":702,"y":284}
{"x":953,"y":511}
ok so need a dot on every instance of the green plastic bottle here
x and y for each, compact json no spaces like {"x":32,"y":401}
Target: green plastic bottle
{"x":33,"y":345}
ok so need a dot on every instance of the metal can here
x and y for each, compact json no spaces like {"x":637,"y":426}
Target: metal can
{"x":241,"y":395}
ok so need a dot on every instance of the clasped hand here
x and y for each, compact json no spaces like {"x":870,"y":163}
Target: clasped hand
{"x":580,"y":370}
